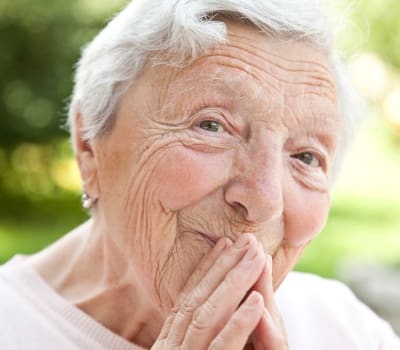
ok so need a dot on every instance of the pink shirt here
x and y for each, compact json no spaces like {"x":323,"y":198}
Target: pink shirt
{"x":319,"y":314}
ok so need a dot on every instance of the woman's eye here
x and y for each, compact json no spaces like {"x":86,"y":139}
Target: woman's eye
{"x":211,"y":125}
{"x":308,"y":158}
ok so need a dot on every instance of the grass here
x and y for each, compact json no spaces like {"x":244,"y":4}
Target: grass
{"x":356,"y":230}
{"x":40,"y":223}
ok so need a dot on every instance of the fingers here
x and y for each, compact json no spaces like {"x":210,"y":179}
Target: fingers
{"x":216,"y":310}
{"x":264,"y":284}
{"x":270,"y":332}
{"x":227,"y":260}
{"x":236,"y":332}
{"x":204,"y":265}
{"x":226,"y":275}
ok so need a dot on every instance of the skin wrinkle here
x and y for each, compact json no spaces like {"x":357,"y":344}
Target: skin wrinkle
{"x":219,"y":59}
{"x":298,"y":67}
{"x":145,"y":226}
{"x":243,"y":40}
{"x":230,"y":225}
{"x":165,"y":270}
{"x":223,"y":97}
{"x":225,"y":84}
{"x":233,"y":57}
{"x":310,"y":184}
{"x":274,"y":61}
{"x":316,"y":128}
{"x":259,"y":87}
{"x":170,"y":86}
{"x":282,"y":102}
{"x":160,"y":277}
{"x":142,"y":221}
{"x":232,"y":65}
{"x":162,"y":178}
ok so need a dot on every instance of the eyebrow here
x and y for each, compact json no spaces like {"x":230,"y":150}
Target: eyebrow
{"x":327,"y":132}
{"x":219,"y":92}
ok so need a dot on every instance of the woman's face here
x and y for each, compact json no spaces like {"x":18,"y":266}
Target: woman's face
{"x":240,"y":140}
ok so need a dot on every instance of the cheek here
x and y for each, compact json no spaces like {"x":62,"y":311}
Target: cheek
{"x":306,"y":213}
{"x":184,"y":176}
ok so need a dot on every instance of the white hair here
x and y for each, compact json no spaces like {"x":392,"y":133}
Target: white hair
{"x":184,"y":29}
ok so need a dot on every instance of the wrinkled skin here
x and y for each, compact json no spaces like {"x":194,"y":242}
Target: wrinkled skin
{"x":241,"y":140}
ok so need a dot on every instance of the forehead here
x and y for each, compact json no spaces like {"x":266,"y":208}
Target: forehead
{"x":260,"y":68}
{"x":253,"y":73}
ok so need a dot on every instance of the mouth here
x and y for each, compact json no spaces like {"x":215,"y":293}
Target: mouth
{"x":211,"y":240}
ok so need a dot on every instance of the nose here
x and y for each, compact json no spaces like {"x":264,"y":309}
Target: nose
{"x":256,"y":191}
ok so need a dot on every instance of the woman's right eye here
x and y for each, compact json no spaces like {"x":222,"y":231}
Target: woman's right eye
{"x":211,"y":126}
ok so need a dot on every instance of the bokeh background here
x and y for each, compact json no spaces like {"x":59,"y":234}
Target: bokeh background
{"x":39,"y":184}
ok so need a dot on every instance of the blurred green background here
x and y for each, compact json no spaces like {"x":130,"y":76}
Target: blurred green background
{"x":39,"y":186}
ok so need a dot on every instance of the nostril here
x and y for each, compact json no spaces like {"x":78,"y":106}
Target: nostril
{"x":256,"y":198}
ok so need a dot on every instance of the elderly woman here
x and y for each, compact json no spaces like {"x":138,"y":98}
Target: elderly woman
{"x":207,"y":135}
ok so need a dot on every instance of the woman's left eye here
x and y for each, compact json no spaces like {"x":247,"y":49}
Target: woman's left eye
{"x":308,"y":158}
{"x":211,"y":126}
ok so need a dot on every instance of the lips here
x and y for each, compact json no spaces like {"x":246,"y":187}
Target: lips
{"x":211,"y":240}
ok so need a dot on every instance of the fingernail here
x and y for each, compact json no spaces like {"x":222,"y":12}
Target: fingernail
{"x":228,"y":241}
{"x":221,"y":244}
{"x":242,"y":241}
{"x":253,"y":298}
{"x":250,"y":255}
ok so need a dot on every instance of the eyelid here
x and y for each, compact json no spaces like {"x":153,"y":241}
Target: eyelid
{"x":213,"y":115}
{"x":316,"y":156}
{"x":314,"y":145}
{"x":320,"y":155}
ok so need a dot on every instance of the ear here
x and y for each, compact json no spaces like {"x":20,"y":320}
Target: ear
{"x":86,"y":159}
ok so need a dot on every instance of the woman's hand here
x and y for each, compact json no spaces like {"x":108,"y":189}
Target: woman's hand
{"x":227,"y":303}
{"x":270,"y":332}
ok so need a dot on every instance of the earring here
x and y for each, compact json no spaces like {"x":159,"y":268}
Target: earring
{"x":87,"y":201}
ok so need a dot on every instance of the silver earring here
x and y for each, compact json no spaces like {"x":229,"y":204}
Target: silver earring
{"x":87,"y":201}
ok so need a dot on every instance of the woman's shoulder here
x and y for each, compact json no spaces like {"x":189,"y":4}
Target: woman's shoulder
{"x":10,"y":274}
{"x":309,"y":284}
{"x":33,"y":316}
{"x":13,"y":305}
{"x":15,"y":288}
{"x":329,"y":312}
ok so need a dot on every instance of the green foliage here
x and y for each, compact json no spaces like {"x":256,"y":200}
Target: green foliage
{"x":381,"y":20}
{"x":39,"y":43}
{"x":357,"y":229}
{"x":29,"y":224}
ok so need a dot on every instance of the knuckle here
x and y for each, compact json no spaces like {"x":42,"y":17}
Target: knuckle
{"x":174,"y":310}
{"x":190,"y":304}
{"x":202,"y":317}
{"x":187,"y":307}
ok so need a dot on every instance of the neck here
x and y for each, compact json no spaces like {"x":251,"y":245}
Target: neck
{"x":86,"y":268}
